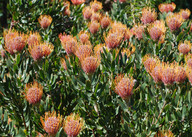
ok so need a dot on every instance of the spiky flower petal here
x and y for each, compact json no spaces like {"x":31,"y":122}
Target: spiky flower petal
{"x":184,"y":47}
{"x":174,"y":21}
{"x":139,"y":31}
{"x":185,"y":13}
{"x":105,"y":22}
{"x":33,"y":38}
{"x":94,"y":26}
{"x":87,"y":13}
{"x":84,"y":37}
{"x":168,"y":73}
{"x":180,"y":74}
{"x":166,"y":7}
{"x":96,"y":5}
{"x":83,"y":51}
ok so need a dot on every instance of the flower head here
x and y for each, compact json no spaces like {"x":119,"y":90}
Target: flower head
{"x":83,"y":51}
{"x":96,"y":16}
{"x":149,"y":63}
{"x":174,"y":21}
{"x":139,"y":31}
{"x":73,"y":125}
{"x":113,"y":39}
{"x":157,"y":30}
{"x":105,"y":22}
{"x":94,"y":26}
{"x":184,"y":47}
{"x":40,"y":50}
{"x":51,"y":122}
{"x":166,"y":7}
{"x":168,"y":73}
{"x":45,"y":21}
{"x":96,"y":5}
{"x":87,"y":12}
{"x":90,"y":64}
{"x":2,"y":53}
{"x":84,"y":37}
{"x":148,"y":15}
{"x":34,"y":92}
{"x":180,"y":74}
{"x":14,"y":41}
{"x":124,"y":86}
{"x":77,"y":2}
{"x":118,"y":27}
{"x":33,"y":38}
{"x":128,"y":34}
{"x":156,"y":72}
{"x":166,"y":133}
{"x":185,"y":13}
{"x":98,"y":49}
{"x":188,"y":60}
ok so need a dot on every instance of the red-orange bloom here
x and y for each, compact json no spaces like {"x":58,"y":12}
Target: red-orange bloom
{"x":188,"y":60}
{"x":157,"y":30}
{"x":148,"y":15}
{"x":77,"y":2}
{"x":166,"y":7}
{"x":94,"y":27}
{"x":105,"y":22}
{"x":113,"y":39}
{"x":149,"y":63}
{"x":63,"y":62}
{"x":90,"y":64}
{"x":166,"y":133}
{"x":96,"y":16}
{"x":83,"y":51}
{"x":168,"y":73}
{"x":185,"y":13}
{"x":2,"y":53}
{"x":184,"y":47}
{"x":73,"y":125}
{"x":45,"y":21}
{"x":67,"y":8}
{"x":98,"y":49}
{"x":51,"y":122}
{"x":38,"y":51}
{"x":14,"y":41}
{"x":139,"y":31}
{"x":174,"y":21}
{"x":156,"y":72}
{"x":96,"y":5}
{"x":180,"y":74}
{"x":118,"y":27}
{"x":124,"y":86}
{"x":87,"y":12}
{"x":84,"y":37}
{"x":34,"y":92}
{"x":128,"y":34}
{"x":33,"y":38}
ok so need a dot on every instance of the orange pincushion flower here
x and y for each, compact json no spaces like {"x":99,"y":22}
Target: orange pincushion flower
{"x":185,"y":13}
{"x":105,"y":22}
{"x":98,"y":49}
{"x":87,"y":12}
{"x":34,"y":92}
{"x":77,"y":2}
{"x":180,"y":74}
{"x":149,"y":63}
{"x":156,"y":72}
{"x":94,"y":27}
{"x":118,"y":27}
{"x":73,"y":125}
{"x":139,"y":31}
{"x":166,"y":7}
{"x":33,"y":38}
{"x":63,"y":62}
{"x":90,"y":64}
{"x":167,"y":133}
{"x":96,"y":5}
{"x":148,"y":15}
{"x":51,"y":122}
{"x":96,"y":16}
{"x":38,"y":51}
{"x":14,"y":41}
{"x":64,"y":38}
{"x":84,"y":37}
{"x":124,"y":86}
{"x":168,"y":73}
{"x":128,"y":34}
{"x":83,"y":51}
{"x":174,"y":21}
{"x":188,"y":60}
{"x":45,"y":21}
{"x":67,"y":8}
{"x":157,"y":30}
{"x":113,"y":39}
{"x":184,"y":47}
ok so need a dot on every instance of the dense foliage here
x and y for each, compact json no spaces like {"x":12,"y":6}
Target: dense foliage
{"x":75,"y":69}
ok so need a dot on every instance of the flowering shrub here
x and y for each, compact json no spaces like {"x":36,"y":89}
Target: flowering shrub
{"x":71,"y":68}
